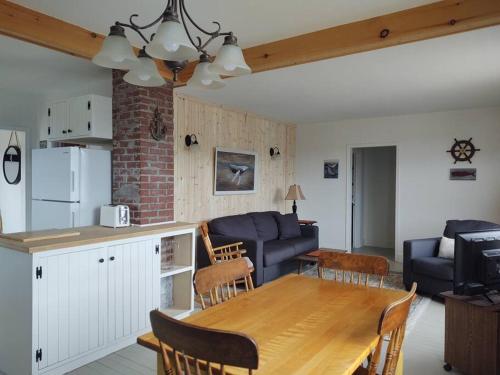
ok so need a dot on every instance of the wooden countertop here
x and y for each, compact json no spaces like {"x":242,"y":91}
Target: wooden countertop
{"x":89,"y":235}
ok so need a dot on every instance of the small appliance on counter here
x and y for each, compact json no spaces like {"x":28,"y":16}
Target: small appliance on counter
{"x":115,"y":216}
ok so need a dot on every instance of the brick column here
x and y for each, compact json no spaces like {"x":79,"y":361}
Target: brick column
{"x":143,"y":168}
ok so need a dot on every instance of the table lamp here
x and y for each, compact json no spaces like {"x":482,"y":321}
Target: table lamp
{"x":295,"y":194}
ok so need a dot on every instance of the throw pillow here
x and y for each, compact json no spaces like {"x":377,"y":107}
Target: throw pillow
{"x":288,"y":226}
{"x":447,"y":248}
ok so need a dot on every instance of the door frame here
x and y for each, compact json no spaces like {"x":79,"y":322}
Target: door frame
{"x":348,"y":219}
{"x":29,"y":146}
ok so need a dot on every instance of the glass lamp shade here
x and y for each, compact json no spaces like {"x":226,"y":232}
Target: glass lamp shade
{"x":116,"y":52}
{"x":145,"y":73}
{"x":204,"y":78}
{"x":229,"y":60}
{"x":171,"y":42}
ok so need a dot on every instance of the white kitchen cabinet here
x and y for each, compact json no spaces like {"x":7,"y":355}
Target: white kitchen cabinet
{"x":80,"y":118}
{"x":57,"y":115}
{"x":68,"y":306}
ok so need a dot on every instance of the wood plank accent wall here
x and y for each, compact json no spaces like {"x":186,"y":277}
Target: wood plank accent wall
{"x":219,"y":127}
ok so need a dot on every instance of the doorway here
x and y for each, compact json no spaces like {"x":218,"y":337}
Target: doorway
{"x":373,"y":204}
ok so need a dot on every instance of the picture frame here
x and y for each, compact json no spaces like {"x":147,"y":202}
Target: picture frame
{"x":331,"y":169}
{"x":463,"y":174}
{"x":235,"y":171}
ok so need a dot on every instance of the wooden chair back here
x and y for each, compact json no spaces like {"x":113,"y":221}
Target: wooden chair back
{"x":218,"y":281}
{"x":188,"y":349}
{"x":221,"y":253}
{"x":348,"y":265}
{"x":392,"y":323}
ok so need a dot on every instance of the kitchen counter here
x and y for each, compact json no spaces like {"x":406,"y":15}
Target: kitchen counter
{"x":85,"y":236}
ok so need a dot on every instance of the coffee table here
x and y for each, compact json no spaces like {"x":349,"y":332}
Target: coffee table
{"x":312,"y":257}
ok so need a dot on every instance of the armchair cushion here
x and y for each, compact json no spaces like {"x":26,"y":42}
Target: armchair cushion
{"x":457,"y":226}
{"x":435,"y":267}
{"x":237,"y":226}
{"x":288,"y":226}
{"x":265,"y":225}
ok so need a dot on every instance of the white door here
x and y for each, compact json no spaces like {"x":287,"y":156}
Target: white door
{"x":134,"y":287}
{"x":72,"y":304}
{"x":55,"y":174}
{"x":58,"y":120}
{"x":80,"y":116}
{"x":54,"y":215}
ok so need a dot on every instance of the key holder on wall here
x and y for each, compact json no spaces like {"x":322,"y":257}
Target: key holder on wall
{"x":12,"y":161}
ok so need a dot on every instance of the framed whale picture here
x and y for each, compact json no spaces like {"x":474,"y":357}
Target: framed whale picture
{"x":235,"y":172}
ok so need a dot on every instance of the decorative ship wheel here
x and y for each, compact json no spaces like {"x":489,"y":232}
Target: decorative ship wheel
{"x":463,"y":150}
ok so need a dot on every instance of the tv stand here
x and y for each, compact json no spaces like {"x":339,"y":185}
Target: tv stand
{"x":472,"y":333}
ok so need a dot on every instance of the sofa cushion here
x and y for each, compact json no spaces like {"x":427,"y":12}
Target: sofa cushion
{"x":438,"y":268}
{"x":457,"y":226}
{"x":288,"y":226}
{"x":239,"y":226}
{"x":265,"y":225}
{"x":277,"y":251}
{"x":302,"y":244}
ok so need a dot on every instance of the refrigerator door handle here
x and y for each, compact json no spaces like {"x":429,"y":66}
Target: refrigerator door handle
{"x":72,"y":219}
{"x":72,"y":181}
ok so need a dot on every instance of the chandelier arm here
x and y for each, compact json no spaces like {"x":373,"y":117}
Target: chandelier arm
{"x":217,"y":32}
{"x":133,"y":27}
{"x":196,"y":45}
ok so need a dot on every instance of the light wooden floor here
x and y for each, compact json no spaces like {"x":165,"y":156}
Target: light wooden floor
{"x":423,"y":351}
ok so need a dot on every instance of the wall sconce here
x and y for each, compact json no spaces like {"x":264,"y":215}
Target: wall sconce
{"x":191,"y":140}
{"x":274,"y":151}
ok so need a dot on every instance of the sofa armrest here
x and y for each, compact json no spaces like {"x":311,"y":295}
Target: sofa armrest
{"x":310,"y":231}
{"x":427,"y":247}
{"x":254,"y":251}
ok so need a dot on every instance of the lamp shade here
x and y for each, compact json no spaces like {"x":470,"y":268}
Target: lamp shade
{"x":116,"y":51}
{"x":295,"y":194}
{"x":171,"y":42}
{"x":203,"y":77}
{"x":229,"y":60}
{"x":145,"y":73}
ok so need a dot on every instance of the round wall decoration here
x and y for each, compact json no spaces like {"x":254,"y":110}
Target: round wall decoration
{"x":463,"y":150}
{"x":12,"y":162}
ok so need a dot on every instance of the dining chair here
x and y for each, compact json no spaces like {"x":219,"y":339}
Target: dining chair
{"x":218,"y":281}
{"x":347,"y":265}
{"x":222,"y":253}
{"x":392,"y":324}
{"x":188,"y":349}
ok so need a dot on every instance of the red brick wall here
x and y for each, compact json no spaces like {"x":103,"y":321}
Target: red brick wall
{"x":143,"y":168}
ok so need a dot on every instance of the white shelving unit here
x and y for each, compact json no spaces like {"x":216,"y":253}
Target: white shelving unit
{"x":176,"y":274}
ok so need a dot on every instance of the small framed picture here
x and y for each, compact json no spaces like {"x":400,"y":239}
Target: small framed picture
{"x":235,"y":172}
{"x":331,"y":169}
{"x":467,"y":174}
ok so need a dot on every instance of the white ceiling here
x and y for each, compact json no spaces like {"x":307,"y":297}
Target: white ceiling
{"x":27,"y":68}
{"x":441,"y":74}
{"x":253,"y":21}
{"x":458,"y":71}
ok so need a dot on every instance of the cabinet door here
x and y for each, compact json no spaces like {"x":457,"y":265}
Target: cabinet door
{"x":58,"y":120}
{"x":134,"y":282}
{"x":80,"y":115}
{"x":72,"y":305}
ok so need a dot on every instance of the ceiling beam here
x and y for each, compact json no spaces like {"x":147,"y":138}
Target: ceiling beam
{"x":429,"y":21}
{"x":29,"y":25}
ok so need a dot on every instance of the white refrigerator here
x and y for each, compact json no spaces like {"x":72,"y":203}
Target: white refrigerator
{"x":69,"y":186}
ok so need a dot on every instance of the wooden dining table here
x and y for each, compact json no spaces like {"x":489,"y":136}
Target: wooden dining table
{"x":302,"y":325}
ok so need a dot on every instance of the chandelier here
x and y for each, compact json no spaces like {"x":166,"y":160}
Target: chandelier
{"x":173,"y":43}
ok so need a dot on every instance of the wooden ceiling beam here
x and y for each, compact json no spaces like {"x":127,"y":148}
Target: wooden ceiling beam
{"x":31,"y":26}
{"x":425,"y":22}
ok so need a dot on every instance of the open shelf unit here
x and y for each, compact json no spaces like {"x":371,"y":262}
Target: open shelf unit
{"x":176,"y":274}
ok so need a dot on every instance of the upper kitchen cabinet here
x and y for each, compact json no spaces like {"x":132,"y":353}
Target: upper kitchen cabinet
{"x":85,"y":118}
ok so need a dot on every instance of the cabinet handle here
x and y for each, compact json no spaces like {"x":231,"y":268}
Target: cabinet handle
{"x":64,"y":131}
{"x":112,"y":258}
{"x":101,"y":260}
{"x":70,"y":131}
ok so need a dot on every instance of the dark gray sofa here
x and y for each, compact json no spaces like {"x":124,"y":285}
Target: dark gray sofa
{"x":422,"y":265}
{"x":267,"y":240}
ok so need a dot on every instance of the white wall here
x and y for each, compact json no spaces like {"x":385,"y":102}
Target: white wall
{"x":426,"y":197}
{"x":379,"y":194}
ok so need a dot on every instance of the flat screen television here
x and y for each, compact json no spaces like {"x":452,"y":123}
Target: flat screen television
{"x":477,"y":262}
